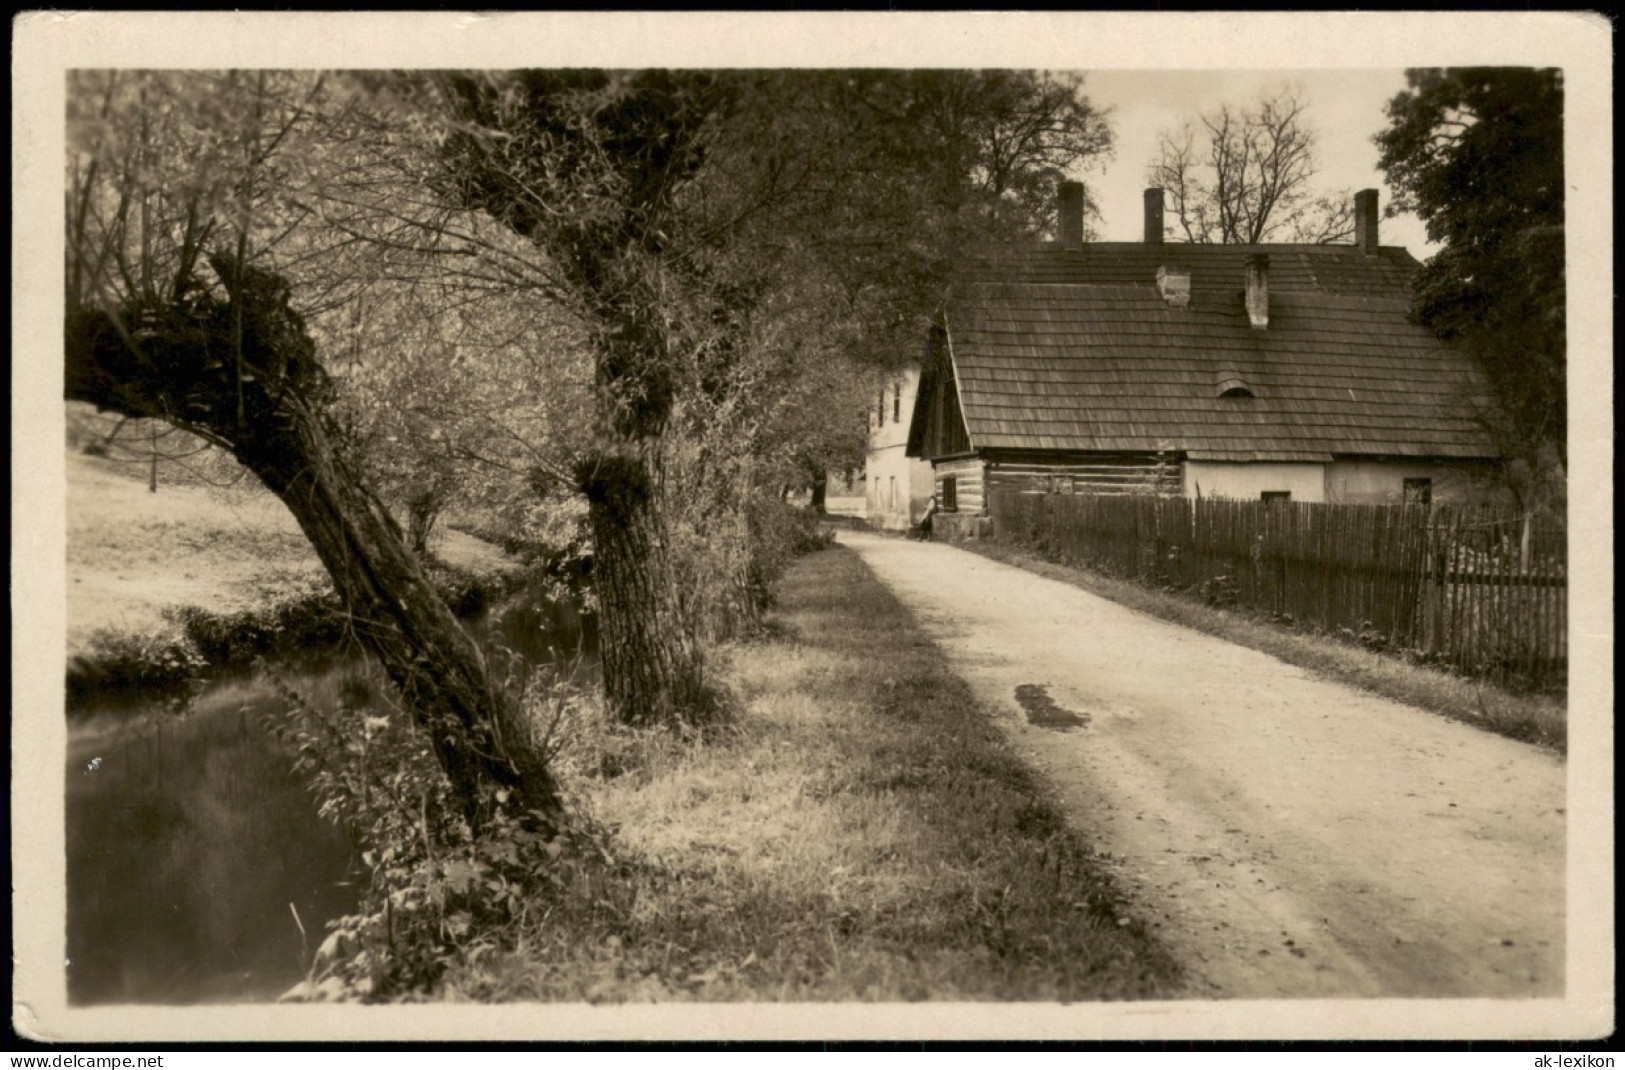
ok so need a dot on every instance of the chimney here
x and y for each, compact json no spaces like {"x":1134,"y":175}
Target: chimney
{"x":1069,"y":202}
{"x":1258,"y":290}
{"x":1174,"y":284}
{"x":1365,"y":221}
{"x":1153,"y":216}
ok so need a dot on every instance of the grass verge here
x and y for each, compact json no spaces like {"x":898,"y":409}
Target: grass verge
{"x":860,"y":831}
{"x":1538,"y":719}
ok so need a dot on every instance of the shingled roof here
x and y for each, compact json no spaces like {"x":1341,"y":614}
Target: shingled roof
{"x":1058,"y":347}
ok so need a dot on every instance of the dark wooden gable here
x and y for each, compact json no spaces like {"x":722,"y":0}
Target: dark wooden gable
{"x":937,"y":426}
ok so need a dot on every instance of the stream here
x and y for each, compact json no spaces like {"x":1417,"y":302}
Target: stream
{"x":198,"y":870}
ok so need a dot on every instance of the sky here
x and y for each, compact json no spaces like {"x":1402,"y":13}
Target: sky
{"x":1345,"y":107}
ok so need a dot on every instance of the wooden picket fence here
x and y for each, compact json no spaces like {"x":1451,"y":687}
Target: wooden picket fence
{"x":1481,"y":589}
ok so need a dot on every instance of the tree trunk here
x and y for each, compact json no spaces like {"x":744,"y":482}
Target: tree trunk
{"x":422,"y":510}
{"x":183,"y":363}
{"x":817,"y":485}
{"x":399,"y":616}
{"x":653,"y":669}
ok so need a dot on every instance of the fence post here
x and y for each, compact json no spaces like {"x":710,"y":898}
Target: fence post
{"x":1433,"y":593}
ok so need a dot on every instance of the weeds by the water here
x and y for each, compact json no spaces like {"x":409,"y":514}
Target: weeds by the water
{"x":859,"y":831}
{"x":1540,"y":719}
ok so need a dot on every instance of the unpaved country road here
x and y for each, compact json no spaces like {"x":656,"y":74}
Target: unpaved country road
{"x":1286,"y":836}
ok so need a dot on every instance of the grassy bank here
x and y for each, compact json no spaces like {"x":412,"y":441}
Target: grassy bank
{"x":859,"y":832}
{"x":1539,"y":719}
{"x":162,"y":585}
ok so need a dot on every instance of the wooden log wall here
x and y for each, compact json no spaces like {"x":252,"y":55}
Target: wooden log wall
{"x":1482,"y":590}
{"x":1102,"y":475}
{"x":970,"y":483}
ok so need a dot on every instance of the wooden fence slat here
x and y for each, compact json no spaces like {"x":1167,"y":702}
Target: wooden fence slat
{"x":1480,"y":588}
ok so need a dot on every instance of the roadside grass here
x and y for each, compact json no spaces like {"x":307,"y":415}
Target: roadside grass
{"x":1538,"y":719}
{"x":858,"y":831}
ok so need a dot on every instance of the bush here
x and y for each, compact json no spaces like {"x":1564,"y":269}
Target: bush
{"x":437,"y":894}
{"x":302,"y":614}
{"x":780,"y":533}
{"x":1219,"y":591}
{"x":118,"y":661}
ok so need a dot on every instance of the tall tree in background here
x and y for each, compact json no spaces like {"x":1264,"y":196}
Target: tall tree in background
{"x":1246,"y":176}
{"x":455,"y":407}
{"x":1477,"y":153}
{"x":1004,"y":139}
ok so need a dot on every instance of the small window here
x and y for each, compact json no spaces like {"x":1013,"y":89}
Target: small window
{"x":891,"y":502}
{"x":897,"y":405}
{"x":1418,"y":492}
{"x":1237,"y":392}
{"x":880,"y":416}
{"x":950,"y":494}
{"x":1276,"y":496}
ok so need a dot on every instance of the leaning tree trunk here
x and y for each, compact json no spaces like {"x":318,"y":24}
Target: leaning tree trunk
{"x":244,"y":374}
{"x":653,"y":670}
{"x":401,"y":618}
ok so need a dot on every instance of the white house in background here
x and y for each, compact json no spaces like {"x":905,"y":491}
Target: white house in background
{"x":896,"y":487}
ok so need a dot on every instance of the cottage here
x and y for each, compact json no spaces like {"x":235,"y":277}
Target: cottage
{"x":1244,"y":371}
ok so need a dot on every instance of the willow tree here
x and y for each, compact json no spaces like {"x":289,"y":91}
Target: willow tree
{"x":183,"y":206}
{"x":590,"y":168}
{"x":684,"y":214}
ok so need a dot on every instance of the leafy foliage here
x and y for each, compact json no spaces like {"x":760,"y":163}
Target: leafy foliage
{"x":122,"y":661}
{"x":1477,"y":153}
{"x":436,"y":894}
{"x":725,"y":241}
{"x":167,"y":173}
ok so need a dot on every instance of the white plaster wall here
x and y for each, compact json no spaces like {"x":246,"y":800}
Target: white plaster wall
{"x":1384,"y":481}
{"x":1219,"y":479}
{"x":887,"y":468}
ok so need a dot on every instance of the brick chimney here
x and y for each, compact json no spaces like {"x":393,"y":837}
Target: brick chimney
{"x":1069,"y":203}
{"x":1365,"y":221}
{"x":1258,"y":290}
{"x":1153,"y":216}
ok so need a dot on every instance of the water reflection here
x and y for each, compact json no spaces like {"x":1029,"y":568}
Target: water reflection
{"x":197,"y":867}
{"x":190,"y":848}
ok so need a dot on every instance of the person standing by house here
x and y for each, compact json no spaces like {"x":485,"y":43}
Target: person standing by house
{"x":923,"y":531}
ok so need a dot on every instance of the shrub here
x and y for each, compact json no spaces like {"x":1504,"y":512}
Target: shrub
{"x":437,"y":893}
{"x":119,"y":661}
{"x":1220,"y":591}
{"x":301,"y":613}
{"x":780,"y":533}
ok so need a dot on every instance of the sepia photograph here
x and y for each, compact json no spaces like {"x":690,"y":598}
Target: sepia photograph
{"x":851,"y":526}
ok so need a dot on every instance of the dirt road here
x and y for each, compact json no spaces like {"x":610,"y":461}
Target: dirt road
{"x":1286,"y":835}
